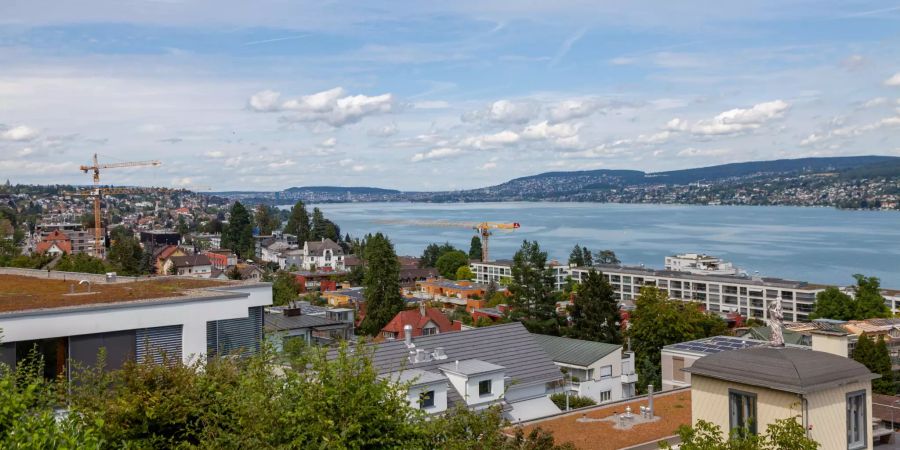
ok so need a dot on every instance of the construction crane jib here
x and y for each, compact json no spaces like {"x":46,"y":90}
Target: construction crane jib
{"x":484,"y":229}
{"x":97,"y":193}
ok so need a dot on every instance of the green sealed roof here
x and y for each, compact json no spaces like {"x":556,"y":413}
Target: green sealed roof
{"x":574,"y":351}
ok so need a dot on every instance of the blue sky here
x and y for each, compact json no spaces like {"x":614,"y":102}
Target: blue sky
{"x":436,"y":95}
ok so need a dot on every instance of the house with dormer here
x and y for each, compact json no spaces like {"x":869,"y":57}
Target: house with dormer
{"x":322,"y":255}
{"x":55,"y":243}
{"x":422,"y":321}
{"x":499,"y":365}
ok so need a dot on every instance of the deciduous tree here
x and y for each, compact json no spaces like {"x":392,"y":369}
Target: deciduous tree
{"x":450,"y":262}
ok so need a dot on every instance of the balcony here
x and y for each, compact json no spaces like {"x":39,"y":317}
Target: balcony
{"x":629,"y":378}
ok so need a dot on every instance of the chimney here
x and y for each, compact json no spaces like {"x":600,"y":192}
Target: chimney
{"x":650,"y":400}
{"x":407,"y":335}
{"x":422,"y":309}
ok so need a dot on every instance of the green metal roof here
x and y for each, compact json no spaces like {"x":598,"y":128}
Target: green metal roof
{"x":574,"y":351}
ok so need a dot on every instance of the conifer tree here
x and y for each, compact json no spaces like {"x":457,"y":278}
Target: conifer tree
{"x":319,"y":225}
{"x":382,"y":284}
{"x":238,"y":235}
{"x":588,"y":258}
{"x":475,"y":249}
{"x":298,"y":222}
{"x":596,"y":311}
{"x":577,"y":256}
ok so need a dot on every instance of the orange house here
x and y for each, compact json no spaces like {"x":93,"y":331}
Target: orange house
{"x":440,"y":287}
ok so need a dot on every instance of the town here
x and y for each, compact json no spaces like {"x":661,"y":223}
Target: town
{"x":587,"y":349}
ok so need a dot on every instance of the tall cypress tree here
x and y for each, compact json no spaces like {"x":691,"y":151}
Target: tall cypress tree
{"x":577,"y":256}
{"x":475,"y":249}
{"x":596,"y":311}
{"x":298,"y":222}
{"x":319,"y":225}
{"x":238,"y":235}
{"x":382,"y":284}
{"x":588,"y":258}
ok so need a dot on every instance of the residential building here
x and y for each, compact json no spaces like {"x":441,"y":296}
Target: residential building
{"x":747,"y":390}
{"x":272,"y":251}
{"x":699,"y":263}
{"x":442,"y":289}
{"x":501,"y":270}
{"x":186,"y":319}
{"x":156,"y":238}
{"x":221,"y":258}
{"x":55,"y":243}
{"x":500,"y":364}
{"x":892,"y":299}
{"x":195,"y":266}
{"x":322,"y":255}
{"x":162,"y":256}
{"x":748,"y":296}
{"x":344,"y":297}
{"x":596,"y":370}
{"x":422,"y":321}
{"x":675,"y":358}
{"x":284,"y":324}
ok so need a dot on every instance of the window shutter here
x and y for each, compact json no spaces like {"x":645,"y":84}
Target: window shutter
{"x":153,"y":343}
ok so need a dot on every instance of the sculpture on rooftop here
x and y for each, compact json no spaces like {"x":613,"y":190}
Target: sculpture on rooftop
{"x":776,"y":321}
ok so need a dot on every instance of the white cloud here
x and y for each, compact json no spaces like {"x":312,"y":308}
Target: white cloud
{"x":488,"y":166}
{"x":677,"y":124}
{"x":27,"y":151}
{"x":696,"y":152}
{"x":437,"y":153}
{"x":545,"y":130}
{"x":573,"y":109}
{"x":505,"y":111}
{"x":893,"y":81}
{"x":502,"y":138}
{"x":264,"y":101}
{"x":332,"y":107}
{"x":183,"y":181}
{"x":738,"y":120}
{"x":345,"y":162}
{"x":281,"y":164}
{"x":215,"y":154}
{"x":431,"y":104}
{"x":329,"y":143}
{"x":385,"y":131}
{"x":19,"y":134}
{"x":358,"y":168}
{"x":655,"y":138}
{"x":851,"y":130}
{"x":877,"y":101}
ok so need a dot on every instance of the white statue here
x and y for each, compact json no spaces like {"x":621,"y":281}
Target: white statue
{"x":776,"y":319}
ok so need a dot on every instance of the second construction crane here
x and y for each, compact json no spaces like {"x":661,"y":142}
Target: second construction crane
{"x":484,"y":229}
{"x":97,"y":193}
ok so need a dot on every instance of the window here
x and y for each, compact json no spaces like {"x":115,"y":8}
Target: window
{"x":484,"y":387}
{"x":605,"y":396}
{"x":429,"y":331}
{"x":742,"y":409}
{"x":605,"y":372}
{"x":426,"y":400}
{"x":677,"y":366}
{"x":856,"y":420}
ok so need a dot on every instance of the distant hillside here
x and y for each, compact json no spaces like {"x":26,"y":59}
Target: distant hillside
{"x":341,"y":190}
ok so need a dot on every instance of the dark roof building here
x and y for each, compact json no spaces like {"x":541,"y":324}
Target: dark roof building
{"x":574,"y":351}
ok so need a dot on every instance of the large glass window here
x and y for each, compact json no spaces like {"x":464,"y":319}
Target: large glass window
{"x":484,"y":387}
{"x":742,"y":408}
{"x":606,"y":372}
{"x":856,"y":420}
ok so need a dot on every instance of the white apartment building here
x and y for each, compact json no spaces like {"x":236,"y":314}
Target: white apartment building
{"x":745,"y":295}
{"x":596,"y":370}
{"x":501,"y":271}
{"x":324,"y":254}
{"x":699,"y":263}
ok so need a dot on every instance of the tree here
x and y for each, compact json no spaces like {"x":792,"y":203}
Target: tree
{"x":434,"y":251}
{"x":267,"y":219}
{"x":657,"y":322}
{"x":574,"y":401}
{"x":450,"y":262}
{"x":238,"y":234}
{"x":606,"y":257}
{"x":464,"y":273}
{"x":475,"y":249}
{"x":82,"y":263}
{"x":298,"y":222}
{"x":595,"y":314}
{"x":866,"y":302}
{"x":577,"y":256}
{"x":877,"y":358}
{"x":182,"y":227}
{"x":285,"y":288}
{"x":382,"y":284}
{"x":783,"y":434}
{"x":588,"y":259}
{"x":125,"y":253}
{"x":531,"y":289}
{"x":319,"y":226}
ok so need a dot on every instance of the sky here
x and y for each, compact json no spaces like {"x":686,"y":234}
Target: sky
{"x":419,"y":95}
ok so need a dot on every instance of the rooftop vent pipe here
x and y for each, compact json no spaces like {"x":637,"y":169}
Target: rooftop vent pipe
{"x":407,"y":336}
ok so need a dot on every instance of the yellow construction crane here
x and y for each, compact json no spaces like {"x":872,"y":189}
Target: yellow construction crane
{"x":483,"y":228}
{"x":97,"y":193}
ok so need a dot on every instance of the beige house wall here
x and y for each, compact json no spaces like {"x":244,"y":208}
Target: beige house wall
{"x":668,"y":370}
{"x":827,"y":409}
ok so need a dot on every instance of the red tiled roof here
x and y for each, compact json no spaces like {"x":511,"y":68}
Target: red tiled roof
{"x":418,"y":318}
{"x":58,"y":238}
{"x":166,"y":252}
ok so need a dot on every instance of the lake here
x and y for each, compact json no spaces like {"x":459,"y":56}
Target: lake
{"x":821,"y":245}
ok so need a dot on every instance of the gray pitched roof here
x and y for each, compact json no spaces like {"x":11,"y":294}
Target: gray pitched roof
{"x":417,"y":377}
{"x":508,"y":345}
{"x":317,"y":248}
{"x":470,"y":367}
{"x":782,"y":368}
{"x":574,"y":351}
{"x":279,"y":322}
{"x":190,"y":261}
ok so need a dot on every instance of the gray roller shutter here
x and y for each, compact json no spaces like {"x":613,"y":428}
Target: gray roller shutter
{"x":8,"y":354}
{"x":235,"y":336}
{"x":119,"y":346}
{"x":153,"y":343}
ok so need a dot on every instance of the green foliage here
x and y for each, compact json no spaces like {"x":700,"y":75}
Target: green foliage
{"x":285,"y":288}
{"x":657,"y":322}
{"x":433,"y":252}
{"x":462,"y":429}
{"x":475,"y":249}
{"x":238,"y":234}
{"x":531,"y":289}
{"x":125,"y":254}
{"x":866,"y":303}
{"x":83,"y":263}
{"x":464,"y":273}
{"x":298,"y":222}
{"x":450,"y":262}
{"x":575,"y":401}
{"x":606,"y":257}
{"x":877,"y":358}
{"x":783,"y":434}
{"x":577,"y":256}
{"x":267,"y":219}
{"x":595,"y":313}
{"x":382,"y":284}
{"x":234,"y":274}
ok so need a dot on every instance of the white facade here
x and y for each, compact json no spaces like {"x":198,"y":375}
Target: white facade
{"x":700,"y":264}
{"x":501,"y":272}
{"x":203,"y":271}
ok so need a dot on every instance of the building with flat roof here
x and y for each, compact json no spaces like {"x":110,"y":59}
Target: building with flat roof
{"x":675,"y":358}
{"x":501,"y":270}
{"x":70,"y":316}
{"x":748,"y":296}
{"x":700,"y":263}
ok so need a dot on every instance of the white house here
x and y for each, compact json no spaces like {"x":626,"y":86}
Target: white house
{"x":596,"y":370}
{"x":73,"y":320}
{"x":325,"y":254}
{"x":194,"y":266}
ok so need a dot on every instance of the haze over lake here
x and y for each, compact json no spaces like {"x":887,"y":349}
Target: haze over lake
{"x":821,"y":245}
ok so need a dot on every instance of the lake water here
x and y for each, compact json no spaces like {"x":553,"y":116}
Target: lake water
{"x":821,"y":245}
